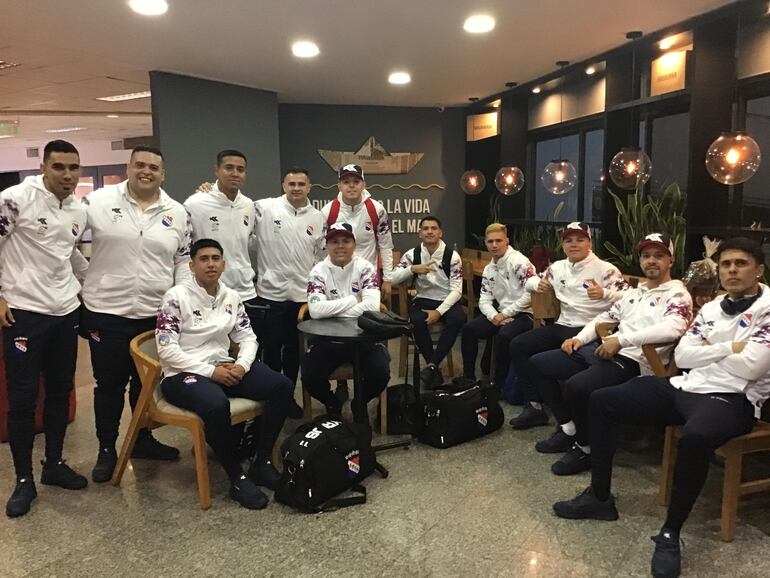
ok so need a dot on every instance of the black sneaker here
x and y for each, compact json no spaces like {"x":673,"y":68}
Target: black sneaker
{"x":431,"y":378}
{"x":571,"y":463}
{"x":558,"y":443}
{"x":247,"y":494}
{"x":21,"y":499}
{"x":105,"y":465}
{"x":60,"y":474}
{"x":334,"y":407}
{"x":341,"y":393}
{"x":667,"y":558}
{"x":529,"y":417}
{"x":264,"y":474}
{"x":148,"y":448}
{"x":295,"y":411}
{"x":587,"y":506}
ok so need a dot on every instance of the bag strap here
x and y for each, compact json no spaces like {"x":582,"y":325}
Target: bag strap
{"x":446,"y":261}
{"x":370,"y":208}
{"x":337,"y":503}
{"x":334,"y":212}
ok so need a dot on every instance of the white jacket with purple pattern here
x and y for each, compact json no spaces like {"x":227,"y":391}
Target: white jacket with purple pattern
{"x":505,"y":282}
{"x":332,"y":291}
{"x":435,"y":284}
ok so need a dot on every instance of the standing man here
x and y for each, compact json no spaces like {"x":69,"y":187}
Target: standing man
{"x":503,"y":282}
{"x":355,"y":206}
{"x":40,"y":225}
{"x":657,"y":311}
{"x":585,"y":286}
{"x":289,"y":241}
{"x":196,"y":322}
{"x":141,"y":248}
{"x":720,"y":397}
{"x":437,"y":272}
{"x":343,"y":285}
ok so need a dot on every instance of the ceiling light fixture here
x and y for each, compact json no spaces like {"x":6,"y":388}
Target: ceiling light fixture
{"x":305,"y":49}
{"x":113,"y":116}
{"x":149,"y":7}
{"x":122,"y":97}
{"x":479,"y":24}
{"x":667,"y":42}
{"x":399,"y":77}
{"x":536,"y":90}
{"x":68,"y":129}
{"x":590,"y":70}
{"x":6,"y":136}
{"x":4,"y":65}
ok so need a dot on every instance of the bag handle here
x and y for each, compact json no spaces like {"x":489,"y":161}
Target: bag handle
{"x":336,"y":503}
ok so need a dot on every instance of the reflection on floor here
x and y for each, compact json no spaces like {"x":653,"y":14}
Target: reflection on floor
{"x":480,"y":509}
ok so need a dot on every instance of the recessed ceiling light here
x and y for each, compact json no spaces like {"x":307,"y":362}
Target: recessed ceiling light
{"x":121,"y":97}
{"x":113,"y":116}
{"x":5,"y":64}
{"x":590,"y":70}
{"x":495,"y":103}
{"x":6,"y":136}
{"x":68,"y":129}
{"x":399,"y":78}
{"x":305,"y":49}
{"x":479,"y":24}
{"x":149,"y":7}
{"x":667,"y":42}
{"x":536,"y":90}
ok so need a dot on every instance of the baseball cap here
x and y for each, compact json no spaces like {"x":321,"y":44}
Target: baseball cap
{"x":576,"y":227}
{"x":340,"y":230}
{"x":658,"y":239}
{"x":351,"y":171}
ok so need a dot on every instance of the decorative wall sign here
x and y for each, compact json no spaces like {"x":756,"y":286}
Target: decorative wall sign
{"x":668,"y":73}
{"x":481,"y":126}
{"x":373,"y":158}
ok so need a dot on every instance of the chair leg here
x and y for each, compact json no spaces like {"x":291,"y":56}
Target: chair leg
{"x":384,"y":411}
{"x":138,"y":421}
{"x":667,"y":466}
{"x":201,"y":466}
{"x":307,"y":404}
{"x":403,"y":354}
{"x":450,"y":365}
{"x":731,"y":493}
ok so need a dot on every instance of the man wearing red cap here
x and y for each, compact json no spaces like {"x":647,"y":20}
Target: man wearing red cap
{"x":585,"y":286}
{"x":343,"y":285}
{"x":657,"y":311}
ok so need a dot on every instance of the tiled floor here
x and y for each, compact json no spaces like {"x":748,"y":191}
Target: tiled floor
{"x":480,"y":509}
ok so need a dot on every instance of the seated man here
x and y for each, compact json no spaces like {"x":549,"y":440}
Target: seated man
{"x":585,"y":286}
{"x":726,"y":350}
{"x":438,"y":275}
{"x":503,"y":282}
{"x":196,"y":322}
{"x":343,"y":286}
{"x":657,"y":311}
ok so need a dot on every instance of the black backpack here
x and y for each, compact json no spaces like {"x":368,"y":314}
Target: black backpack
{"x":446,"y":261}
{"x":322,"y":459}
{"x":453,"y":418}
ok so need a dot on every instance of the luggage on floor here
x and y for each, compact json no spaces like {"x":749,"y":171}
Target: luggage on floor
{"x":322,"y":459}
{"x":403,"y":409}
{"x":453,"y":418}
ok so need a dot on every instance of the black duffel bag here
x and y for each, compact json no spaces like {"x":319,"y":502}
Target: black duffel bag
{"x":453,"y":418}
{"x":384,"y":324}
{"x":322,"y":459}
{"x":403,"y":409}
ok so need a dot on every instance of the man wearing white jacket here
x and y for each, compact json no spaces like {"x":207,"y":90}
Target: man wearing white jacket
{"x":197,"y":320}
{"x":343,"y":285}
{"x":585,"y":286}
{"x":356,"y":207}
{"x":40,"y":225}
{"x":658,"y":311}
{"x":503,"y":282}
{"x":727,"y":353}
{"x":141,"y":247}
{"x":437,"y":272}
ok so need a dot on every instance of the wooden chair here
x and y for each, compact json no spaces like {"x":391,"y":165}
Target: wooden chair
{"x":153,"y":411}
{"x":545,"y":307}
{"x":342,"y":375}
{"x":469,"y":299}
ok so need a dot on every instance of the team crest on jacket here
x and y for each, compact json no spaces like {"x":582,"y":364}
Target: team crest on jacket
{"x":75,"y":229}
{"x":368,"y":226}
{"x":167,"y":221}
{"x":190,"y":379}
{"x":20,"y":343}
{"x":587,"y":283}
{"x":214,"y":223}
{"x":310,"y":230}
{"x":229,"y":308}
{"x":745,"y":320}
{"x":246,"y":220}
{"x":164,"y":339}
{"x":482,"y":415}
{"x":43,"y":225}
{"x":356,"y":286}
{"x":654,"y":302}
{"x":354,"y":463}
{"x":117,"y":215}
{"x":95,"y":336}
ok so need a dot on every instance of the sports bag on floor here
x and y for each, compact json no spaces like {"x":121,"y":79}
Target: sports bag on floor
{"x":403,"y":409}
{"x":453,"y":418}
{"x":322,"y":459}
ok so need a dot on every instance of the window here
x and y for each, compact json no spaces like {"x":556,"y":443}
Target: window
{"x":593,"y":176}
{"x":545,"y":201}
{"x":756,"y":201}
{"x":669,"y":151}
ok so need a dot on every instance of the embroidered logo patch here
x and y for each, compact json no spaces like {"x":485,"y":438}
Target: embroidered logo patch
{"x":246,"y":220}
{"x":314,"y":299}
{"x":310,"y":230}
{"x":95,"y":336}
{"x":354,"y":463}
{"x":356,"y":287}
{"x":655,"y":301}
{"x":745,"y":320}
{"x":482,"y":415}
{"x":368,"y":226}
{"x":587,"y":283}
{"x":229,"y":309}
{"x":167,"y":221}
{"x":190,"y":379}
{"x":163,"y":339}
{"x":75,"y":229}
{"x":21,"y":344}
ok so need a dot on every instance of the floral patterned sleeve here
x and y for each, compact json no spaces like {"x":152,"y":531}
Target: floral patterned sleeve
{"x":614,"y":284}
{"x":753,"y":362}
{"x":168,"y":330}
{"x":676,"y":318}
{"x":243,"y":335}
{"x":9,"y":212}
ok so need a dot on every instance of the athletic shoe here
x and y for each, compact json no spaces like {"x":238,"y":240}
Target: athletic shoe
{"x":334,"y":407}
{"x":341,"y":393}
{"x":21,"y":499}
{"x":247,"y":494}
{"x":60,"y":474}
{"x":558,"y":443}
{"x":667,"y":558}
{"x":264,"y":474}
{"x":571,"y":463}
{"x":105,"y":465}
{"x":431,"y":378}
{"x":295,"y":411}
{"x":587,"y":506}
{"x":529,"y":417}
{"x":149,"y":448}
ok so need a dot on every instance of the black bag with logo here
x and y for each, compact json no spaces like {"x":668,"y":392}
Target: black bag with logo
{"x":322,"y":459}
{"x":403,"y":409}
{"x":453,"y":418}
{"x":384,"y":324}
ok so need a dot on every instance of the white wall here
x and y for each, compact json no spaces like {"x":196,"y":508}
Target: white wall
{"x":92,"y":153}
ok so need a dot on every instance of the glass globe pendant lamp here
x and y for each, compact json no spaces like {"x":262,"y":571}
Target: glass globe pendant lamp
{"x":509,"y":180}
{"x":733,"y":158}
{"x":630,"y":168}
{"x":472,"y":182}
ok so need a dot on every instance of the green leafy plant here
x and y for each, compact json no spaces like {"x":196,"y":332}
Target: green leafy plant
{"x":524,"y":237}
{"x":640,"y":215}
